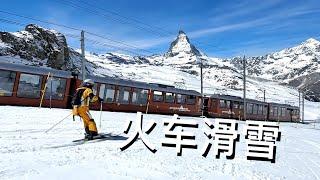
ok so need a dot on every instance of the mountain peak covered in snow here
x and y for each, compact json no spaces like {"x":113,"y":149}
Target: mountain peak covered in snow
{"x":311,"y":43}
{"x":182,"y":45}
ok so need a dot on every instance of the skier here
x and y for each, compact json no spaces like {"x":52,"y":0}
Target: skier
{"x":81,"y":101}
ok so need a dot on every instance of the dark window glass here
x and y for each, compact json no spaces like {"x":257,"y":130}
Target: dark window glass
{"x":55,"y":88}
{"x":275,"y":111}
{"x":7,"y":79}
{"x":102,"y":90}
{"x":157,"y":96}
{"x":181,"y":99}
{"x":283,"y":112}
{"x":249,"y":108}
{"x":255,"y":109}
{"x":139,"y":96}
{"x":265,"y":110}
{"x":191,"y":99}
{"x":279,"y":111}
{"x":29,"y":86}
{"x":235,"y":105}
{"x":109,"y":93}
{"x":241,"y":106}
{"x":228,"y":103}
{"x":123,"y":95}
{"x":222,"y":103}
{"x":169,"y":97}
{"x":260,"y":109}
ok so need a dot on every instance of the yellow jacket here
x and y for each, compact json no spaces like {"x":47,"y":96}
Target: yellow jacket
{"x":86,"y":98}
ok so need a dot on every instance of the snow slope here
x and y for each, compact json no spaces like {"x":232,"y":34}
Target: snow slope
{"x":26,"y":152}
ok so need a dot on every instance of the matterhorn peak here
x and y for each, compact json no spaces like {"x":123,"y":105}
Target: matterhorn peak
{"x":182,"y":45}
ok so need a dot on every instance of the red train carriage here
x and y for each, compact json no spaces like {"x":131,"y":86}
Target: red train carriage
{"x":22,"y":85}
{"x":225,"y":106}
{"x":283,"y":112}
{"x":257,"y":110}
{"x":133,"y":96}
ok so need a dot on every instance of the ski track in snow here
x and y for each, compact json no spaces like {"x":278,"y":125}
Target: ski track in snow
{"x":26,"y":152}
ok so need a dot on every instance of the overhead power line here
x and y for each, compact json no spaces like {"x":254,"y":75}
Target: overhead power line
{"x":95,"y":42}
{"x":73,"y":28}
{"x":94,"y":11}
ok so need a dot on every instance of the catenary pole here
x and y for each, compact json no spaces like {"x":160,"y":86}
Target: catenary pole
{"x":201,"y":76}
{"x":83,"y":57}
{"x":244,"y":90}
{"x":303,"y":107}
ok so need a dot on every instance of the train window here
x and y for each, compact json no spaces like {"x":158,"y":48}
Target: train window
{"x":123,"y":95}
{"x":228,"y":103}
{"x":235,"y":105}
{"x":139,"y":96}
{"x":169,"y":97}
{"x":94,"y":88}
{"x":283,"y":112}
{"x":7,"y":79}
{"x":260,"y":109}
{"x":255,"y":109}
{"x":222,"y":104}
{"x":275,"y":111}
{"x":191,"y":99}
{"x":55,"y":88}
{"x":265,"y":110}
{"x":181,"y":99}
{"x":109,"y":93}
{"x":29,"y":86}
{"x":249,"y":108}
{"x":279,"y":111}
{"x":102,"y":90}
{"x":157,"y":96}
{"x":241,"y":106}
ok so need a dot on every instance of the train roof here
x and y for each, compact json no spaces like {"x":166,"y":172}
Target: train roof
{"x":235,"y":98}
{"x":34,"y":69}
{"x":109,"y":80}
{"x":283,"y":105}
{"x":142,"y":85}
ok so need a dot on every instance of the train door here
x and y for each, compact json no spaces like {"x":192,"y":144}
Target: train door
{"x":205,"y":106}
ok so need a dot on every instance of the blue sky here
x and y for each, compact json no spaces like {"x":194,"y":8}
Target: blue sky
{"x":219,"y":28}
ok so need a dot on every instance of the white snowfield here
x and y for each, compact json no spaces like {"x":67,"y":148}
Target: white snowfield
{"x":27,"y":152}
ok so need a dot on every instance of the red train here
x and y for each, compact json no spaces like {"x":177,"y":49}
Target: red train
{"x":24,"y":85}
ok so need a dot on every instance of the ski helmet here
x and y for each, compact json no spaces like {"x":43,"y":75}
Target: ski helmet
{"x":88,"y":83}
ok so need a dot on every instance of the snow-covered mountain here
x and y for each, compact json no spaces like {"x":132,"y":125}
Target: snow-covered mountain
{"x":179,"y":66}
{"x":37,"y":46}
{"x":298,"y":66}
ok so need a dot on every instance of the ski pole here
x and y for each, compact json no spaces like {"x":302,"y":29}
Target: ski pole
{"x":100,"y":113}
{"x":57,"y":123}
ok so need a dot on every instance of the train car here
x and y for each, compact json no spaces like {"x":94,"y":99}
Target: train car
{"x":26,"y":85}
{"x":132,"y":96}
{"x":257,"y":110}
{"x":283,"y":112}
{"x":226,"y":106}
{"x":22,"y":85}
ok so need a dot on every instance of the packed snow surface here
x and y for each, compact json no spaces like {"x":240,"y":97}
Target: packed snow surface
{"x":27,"y":152}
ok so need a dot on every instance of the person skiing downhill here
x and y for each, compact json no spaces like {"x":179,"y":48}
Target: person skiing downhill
{"x":81,"y":101}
